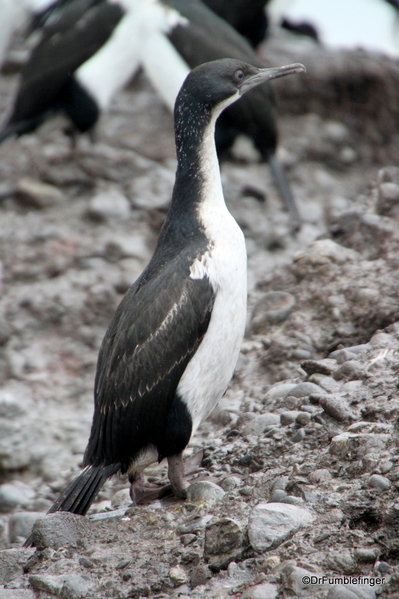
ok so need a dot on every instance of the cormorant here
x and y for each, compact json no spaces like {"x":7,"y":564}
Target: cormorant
{"x":170,"y":350}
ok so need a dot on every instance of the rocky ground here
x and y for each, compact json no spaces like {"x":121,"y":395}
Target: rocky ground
{"x":300,"y":475}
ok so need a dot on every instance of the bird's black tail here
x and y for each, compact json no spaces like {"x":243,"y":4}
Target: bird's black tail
{"x":81,"y":492}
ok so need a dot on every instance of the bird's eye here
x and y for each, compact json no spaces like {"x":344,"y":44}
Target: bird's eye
{"x":239,"y":75}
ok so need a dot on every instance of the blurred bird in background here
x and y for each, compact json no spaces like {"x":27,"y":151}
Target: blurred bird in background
{"x":89,"y":49}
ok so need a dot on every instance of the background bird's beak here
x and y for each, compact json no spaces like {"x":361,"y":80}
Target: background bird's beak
{"x":266,"y":74}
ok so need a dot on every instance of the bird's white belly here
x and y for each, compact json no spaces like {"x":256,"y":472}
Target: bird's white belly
{"x":209,"y":372}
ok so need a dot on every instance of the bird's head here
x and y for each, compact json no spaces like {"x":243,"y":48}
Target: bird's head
{"x":219,"y":83}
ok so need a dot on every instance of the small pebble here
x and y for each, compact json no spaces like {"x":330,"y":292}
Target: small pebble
{"x":288,"y":417}
{"x":199,"y":575}
{"x":204,"y":492}
{"x":230,"y":482}
{"x":303,"y":418}
{"x":107,"y":204}
{"x":178,"y":576}
{"x":336,"y":407}
{"x":272,"y":523}
{"x":37,"y":194}
{"x":187,"y":539}
{"x":76,"y":587}
{"x":366,"y":554}
{"x":278,"y":495}
{"x":12,"y":496}
{"x":379,"y":482}
{"x":304,"y":389}
{"x":20,"y":524}
{"x":320,"y":476}
{"x":223,"y":542}
{"x":299,"y":435}
{"x":272,"y":308}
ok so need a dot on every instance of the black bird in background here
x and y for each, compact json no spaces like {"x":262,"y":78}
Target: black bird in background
{"x":172,"y":345}
{"x":248,"y":17}
{"x":74,"y":30}
{"x":47,"y":84}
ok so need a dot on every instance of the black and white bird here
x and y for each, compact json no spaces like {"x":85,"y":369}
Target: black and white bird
{"x":172,"y":345}
{"x":88,"y":52}
{"x":48,"y":84}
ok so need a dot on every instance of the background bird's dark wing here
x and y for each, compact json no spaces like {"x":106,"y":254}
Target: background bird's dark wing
{"x":152,"y":337}
{"x":59,"y":15}
{"x":57,"y":56}
{"x":207,"y":37}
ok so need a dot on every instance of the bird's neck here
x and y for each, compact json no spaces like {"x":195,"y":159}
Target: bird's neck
{"x":198,"y":180}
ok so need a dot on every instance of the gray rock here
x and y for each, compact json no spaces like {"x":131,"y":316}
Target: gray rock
{"x":76,"y":587}
{"x":326,"y":366}
{"x":325,"y":382}
{"x":280,"y":482}
{"x":199,"y":575}
{"x":195,"y":525}
{"x":351,"y":445}
{"x":258,"y":424}
{"x":351,"y":371}
{"x":178,"y":576}
{"x":279,"y":391}
{"x":17,"y":594}
{"x":342,"y":355}
{"x":108,"y":204}
{"x":230,"y":482}
{"x":288,"y":417}
{"x":278,"y":495}
{"x":336,"y":407}
{"x":273,"y":307}
{"x":342,"y":591}
{"x":366,"y":554}
{"x":292,"y":500}
{"x":187,"y":539}
{"x":60,"y":529}
{"x":359,"y":349}
{"x":272,"y":523}
{"x":37,"y":194}
{"x":320,"y":476}
{"x":224,"y":540}
{"x":299,"y":436}
{"x":379,"y":482}
{"x":388,"y":199}
{"x":12,"y":562}
{"x":11,"y":496}
{"x":203,"y":492}
{"x":154,"y":192}
{"x":47,"y":583}
{"x":341,"y":562}
{"x":303,"y":418}
{"x":304,"y":389}
{"x":300,"y":581}
{"x":266,"y":590}
{"x":20,"y":524}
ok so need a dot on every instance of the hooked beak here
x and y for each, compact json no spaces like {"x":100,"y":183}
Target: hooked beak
{"x":266,"y":74}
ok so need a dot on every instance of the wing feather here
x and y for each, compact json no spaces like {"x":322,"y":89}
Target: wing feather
{"x":152,"y":337}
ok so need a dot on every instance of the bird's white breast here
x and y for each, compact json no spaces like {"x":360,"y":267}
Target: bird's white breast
{"x":209,"y":372}
{"x":225,"y":263}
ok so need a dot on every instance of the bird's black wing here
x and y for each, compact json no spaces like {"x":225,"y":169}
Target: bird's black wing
{"x":207,"y":37}
{"x":152,"y":337}
{"x":57,"y":56}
